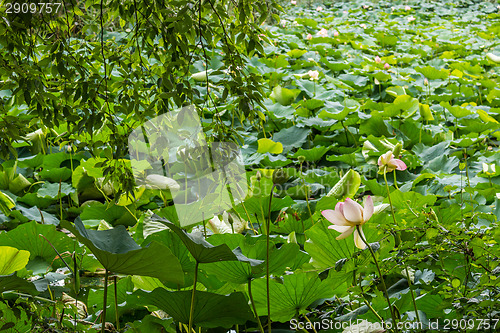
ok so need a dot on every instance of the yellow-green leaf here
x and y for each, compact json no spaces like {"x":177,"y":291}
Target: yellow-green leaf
{"x":12,"y":259}
{"x":269,"y":146}
{"x":486,"y":117}
{"x":425,"y":112}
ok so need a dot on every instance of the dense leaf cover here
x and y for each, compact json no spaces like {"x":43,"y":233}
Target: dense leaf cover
{"x":313,"y":95}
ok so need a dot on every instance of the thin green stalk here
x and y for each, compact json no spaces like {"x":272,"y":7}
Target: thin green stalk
{"x":117,"y":319}
{"x":249,"y":219}
{"x":60,"y":201}
{"x":185,"y":185}
{"x":381,"y":277}
{"x":253,"y":305}
{"x":389,"y":196}
{"x":468,"y":181}
{"x":364,"y":299}
{"x":395,"y":224}
{"x":373,"y":310}
{"x":29,"y":296}
{"x":395,"y":181}
{"x":76,"y":282}
{"x":268,"y":228}
{"x":312,"y":326}
{"x":191,"y":310}
{"x":412,"y":294}
{"x":307,"y":198}
{"x":104,"y":301}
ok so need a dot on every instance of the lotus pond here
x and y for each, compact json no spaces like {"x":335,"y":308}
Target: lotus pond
{"x":368,"y":196}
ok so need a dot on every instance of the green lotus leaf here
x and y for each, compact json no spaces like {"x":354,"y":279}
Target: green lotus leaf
{"x":119,"y":253}
{"x":203,"y":251}
{"x":12,"y":259}
{"x":210,"y":310}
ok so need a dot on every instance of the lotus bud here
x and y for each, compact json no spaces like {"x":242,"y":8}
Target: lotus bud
{"x":397,"y":150}
{"x":279,"y":177}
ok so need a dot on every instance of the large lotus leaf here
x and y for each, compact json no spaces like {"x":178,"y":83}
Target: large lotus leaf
{"x":24,"y":215}
{"x":269,"y":146}
{"x":355,"y":81}
{"x":308,"y":22}
{"x":432,"y":73}
{"x":210,"y":310}
{"x":12,"y":259}
{"x":296,"y":53}
{"x":254,"y":205}
{"x":119,"y":253}
{"x":404,"y":105}
{"x":239,"y":272}
{"x":293,"y":296}
{"x":27,"y":237}
{"x":56,"y":175}
{"x":313,"y":154}
{"x":456,"y":110}
{"x":55,"y":190}
{"x":203,"y":251}
{"x":111,"y":213}
{"x":173,"y":242}
{"x":325,"y":250}
{"x":412,"y":199}
{"x":13,"y":282}
{"x":291,"y":137}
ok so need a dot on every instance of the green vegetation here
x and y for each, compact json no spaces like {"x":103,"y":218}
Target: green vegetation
{"x":379,"y":120}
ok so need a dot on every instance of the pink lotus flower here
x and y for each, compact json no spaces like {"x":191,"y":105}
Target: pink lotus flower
{"x":365,"y":6}
{"x":387,"y":163}
{"x":411,"y":18}
{"x":407,"y":7}
{"x":362,"y":25}
{"x":335,"y":33}
{"x":319,"y":9}
{"x":323,"y":33}
{"x":347,"y":217}
{"x":377,"y":59}
{"x":309,"y":37}
{"x":387,"y":66}
{"x":293,"y":2}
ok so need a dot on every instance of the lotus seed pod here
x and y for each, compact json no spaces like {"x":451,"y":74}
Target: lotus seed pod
{"x":301,"y":158}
